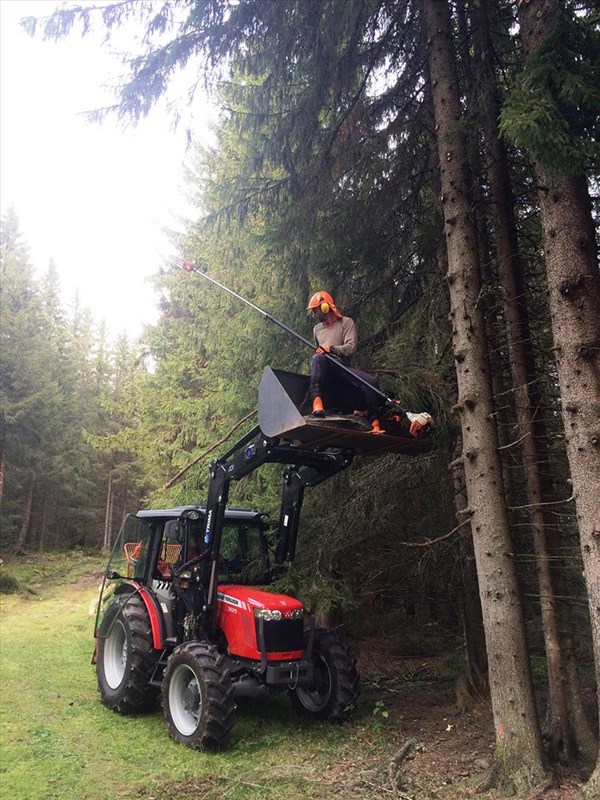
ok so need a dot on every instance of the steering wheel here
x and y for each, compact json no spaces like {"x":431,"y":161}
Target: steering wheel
{"x":190,"y":564}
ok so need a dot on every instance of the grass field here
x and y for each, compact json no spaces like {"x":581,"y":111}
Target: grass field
{"x":59,"y":741}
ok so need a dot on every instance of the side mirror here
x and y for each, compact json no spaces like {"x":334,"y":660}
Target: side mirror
{"x":113,"y":576}
{"x":172,"y":530}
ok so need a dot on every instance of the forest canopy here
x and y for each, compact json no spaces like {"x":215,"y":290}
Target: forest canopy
{"x":433,"y":165}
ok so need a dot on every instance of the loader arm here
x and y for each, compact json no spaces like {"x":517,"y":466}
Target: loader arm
{"x":295,"y":479}
{"x":308,"y":467}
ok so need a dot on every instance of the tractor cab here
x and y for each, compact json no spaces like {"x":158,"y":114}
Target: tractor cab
{"x":152,"y":543}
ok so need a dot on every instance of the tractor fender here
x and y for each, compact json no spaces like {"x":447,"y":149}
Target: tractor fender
{"x":152,"y":607}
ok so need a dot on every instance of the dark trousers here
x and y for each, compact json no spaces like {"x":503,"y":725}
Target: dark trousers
{"x":338,"y":391}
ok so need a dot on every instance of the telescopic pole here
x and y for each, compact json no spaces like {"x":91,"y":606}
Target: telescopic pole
{"x":191,"y":268}
{"x":389,"y":402}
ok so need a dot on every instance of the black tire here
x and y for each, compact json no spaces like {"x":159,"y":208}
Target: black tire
{"x":198,"y":696}
{"x":126,"y":658}
{"x":336,"y":685}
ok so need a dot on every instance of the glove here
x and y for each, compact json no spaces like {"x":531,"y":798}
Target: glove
{"x":419,"y":423}
{"x":325,"y":349}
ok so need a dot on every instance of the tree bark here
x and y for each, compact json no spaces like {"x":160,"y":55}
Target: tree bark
{"x":519,"y":761}
{"x":574,"y":300}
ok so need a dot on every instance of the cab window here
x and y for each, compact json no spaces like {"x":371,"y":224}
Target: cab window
{"x":244,"y":553}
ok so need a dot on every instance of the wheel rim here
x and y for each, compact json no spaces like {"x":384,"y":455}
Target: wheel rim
{"x":316,"y":697}
{"x":115,"y":655}
{"x":185,"y":700}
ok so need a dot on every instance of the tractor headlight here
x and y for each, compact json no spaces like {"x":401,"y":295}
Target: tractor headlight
{"x":272,"y":614}
{"x":267,"y":614}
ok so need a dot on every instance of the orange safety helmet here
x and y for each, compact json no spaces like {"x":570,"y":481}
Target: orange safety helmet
{"x":324,"y":301}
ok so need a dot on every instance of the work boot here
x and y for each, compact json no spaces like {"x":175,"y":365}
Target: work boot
{"x":376,"y":427}
{"x":317,"y":407}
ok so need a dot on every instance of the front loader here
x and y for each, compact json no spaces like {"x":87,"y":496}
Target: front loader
{"x":192,"y":618}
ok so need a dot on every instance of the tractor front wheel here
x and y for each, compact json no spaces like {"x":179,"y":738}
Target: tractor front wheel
{"x":198,"y":696}
{"x":336,"y":684}
{"x":126,"y":658}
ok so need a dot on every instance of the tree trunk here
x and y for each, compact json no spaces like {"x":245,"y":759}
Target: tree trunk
{"x":108,"y":517}
{"x":574,"y":294}
{"x":581,"y":731}
{"x":19,"y":548}
{"x":574,"y":299}
{"x":518,"y":337}
{"x":472,"y":618}
{"x":519,"y":754}
{"x":2,"y":470}
{"x":43,"y":526}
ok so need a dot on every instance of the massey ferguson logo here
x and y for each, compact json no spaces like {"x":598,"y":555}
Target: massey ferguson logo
{"x":231,"y":601}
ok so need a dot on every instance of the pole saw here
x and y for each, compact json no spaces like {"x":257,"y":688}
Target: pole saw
{"x":389,"y":402}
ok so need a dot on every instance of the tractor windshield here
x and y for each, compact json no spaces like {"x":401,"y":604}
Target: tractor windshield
{"x":245,"y":553}
{"x":130,"y":551}
{"x":128,"y":556}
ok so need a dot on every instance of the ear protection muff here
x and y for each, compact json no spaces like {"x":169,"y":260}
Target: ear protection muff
{"x":323,"y":302}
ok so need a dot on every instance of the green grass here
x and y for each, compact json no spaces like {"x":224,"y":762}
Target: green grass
{"x":59,"y":741}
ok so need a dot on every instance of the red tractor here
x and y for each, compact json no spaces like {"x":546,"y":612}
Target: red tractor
{"x":187,"y":619}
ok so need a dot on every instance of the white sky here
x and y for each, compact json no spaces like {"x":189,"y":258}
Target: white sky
{"x":95,"y":198}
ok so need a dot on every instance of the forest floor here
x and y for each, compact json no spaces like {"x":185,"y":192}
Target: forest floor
{"x":406,"y":740}
{"x":448,"y":753}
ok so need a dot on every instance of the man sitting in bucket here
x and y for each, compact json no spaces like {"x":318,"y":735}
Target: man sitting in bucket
{"x":333,"y":388}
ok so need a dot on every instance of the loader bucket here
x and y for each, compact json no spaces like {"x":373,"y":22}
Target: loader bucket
{"x":284,"y":411}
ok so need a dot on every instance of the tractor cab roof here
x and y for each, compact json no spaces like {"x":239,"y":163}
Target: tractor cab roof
{"x":231,"y":514}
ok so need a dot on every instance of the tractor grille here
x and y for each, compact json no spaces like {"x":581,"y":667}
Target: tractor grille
{"x":282,"y":636}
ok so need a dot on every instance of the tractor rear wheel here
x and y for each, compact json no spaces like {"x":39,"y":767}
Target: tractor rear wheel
{"x":198,"y":696}
{"x":336,"y":683}
{"x":126,"y":658}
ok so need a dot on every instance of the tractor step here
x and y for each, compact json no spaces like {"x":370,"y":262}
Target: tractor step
{"x":284,"y":412}
{"x":159,"y":668}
